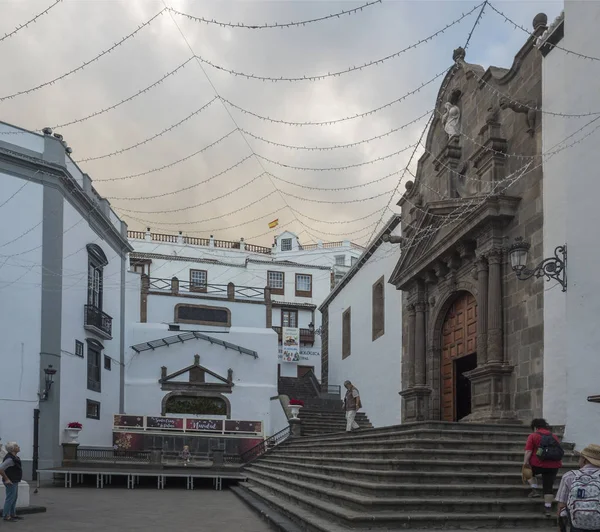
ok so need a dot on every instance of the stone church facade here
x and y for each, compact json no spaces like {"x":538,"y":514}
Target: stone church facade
{"x":472,"y":332}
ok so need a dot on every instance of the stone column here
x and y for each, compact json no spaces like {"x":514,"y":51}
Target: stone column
{"x":495,"y":352}
{"x":419,"y":343}
{"x":410,"y":358}
{"x":482,"y":310}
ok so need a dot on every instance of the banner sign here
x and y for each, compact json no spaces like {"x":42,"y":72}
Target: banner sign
{"x":290,"y":339}
{"x":242,"y":426}
{"x":306,"y":355}
{"x":168,"y":423}
{"x":204,"y":424}
{"x":129,"y":421}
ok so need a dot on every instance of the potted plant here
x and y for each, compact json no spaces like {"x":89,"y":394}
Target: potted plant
{"x":73,"y":429}
{"x":295,"y":406}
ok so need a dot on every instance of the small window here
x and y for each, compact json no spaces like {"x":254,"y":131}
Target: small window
{"x":92,"y":409}
{"x":79,"y":348}
{"x":378,"y":309}
{"x":286,"y":244}
{"x":353,"y":260}
{"x":346,"y":333}
{"x":276,"y":282}
{"x":303,"y":285}
{"x":340,"y":260}
{"x":107,"y":363}
{"x":198,"y":280}
{"x":202,"y":315}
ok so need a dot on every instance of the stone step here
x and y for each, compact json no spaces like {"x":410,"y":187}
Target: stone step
{"x":447,"y":478}
{"x":365,"y":503}
{"x":447,"y":428}
{"x":398,"y":489}
{"x":412,"y":464}
{"x":372,"y":435}
{"x":283,"y":496}
{"x":383,"y":452}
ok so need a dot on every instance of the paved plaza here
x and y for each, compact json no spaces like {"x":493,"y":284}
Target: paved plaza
{"x":87,"y":508}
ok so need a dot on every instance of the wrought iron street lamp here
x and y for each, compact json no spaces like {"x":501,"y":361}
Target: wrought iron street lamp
{"x":551,"y":268}
{"x":311,"y":328}
{"x":49,"y":373}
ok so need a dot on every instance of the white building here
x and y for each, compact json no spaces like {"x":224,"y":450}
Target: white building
{"x":362,"y":320}
{"x":63,"y":270}
{"x":299,"y":278}
{"x":571,"y":332}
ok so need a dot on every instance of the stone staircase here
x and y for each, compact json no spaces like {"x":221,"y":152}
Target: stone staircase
{"x":427,"y":475}
{"x":301,"y":388}
{"x":326,"y":420}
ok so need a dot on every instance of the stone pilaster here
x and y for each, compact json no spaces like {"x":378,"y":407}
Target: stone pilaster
{"x":490,"y":394}
{"x":144,"y":298}
{"x":420,"y":343}
{"x":325,"y":347}
{"x":410,"y":358}
{"x":495,"y":353}
{"x":482,"y":310}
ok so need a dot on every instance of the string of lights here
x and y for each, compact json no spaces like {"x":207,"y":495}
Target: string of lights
{"x":180,"y":209}
{"x":343,"y":119}
{"x":244,"y":138}
{"x":344,"y":71}
{"x":336,"y":168}
{"x":351,"y":187}
{"x":178,"y":161}
{"x":86,"y":63}
{"x":337,"y":146}
{"x":272,"y":25}
{"x":149,"y":139}
{"x":412,"y":156}
{"x":184,"y":189}
{"x":30,"y":21}
{"x":518,"y":26}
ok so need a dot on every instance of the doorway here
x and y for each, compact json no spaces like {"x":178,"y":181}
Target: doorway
{"x":459,"y":341}
{"x":303,"y":370}
{"x":462,"y":392}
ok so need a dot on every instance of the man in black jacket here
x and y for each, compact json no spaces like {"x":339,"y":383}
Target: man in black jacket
{"x":11,"y":473}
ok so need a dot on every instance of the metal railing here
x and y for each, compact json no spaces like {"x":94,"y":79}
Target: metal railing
{"x":264,"y":446}
{"x":331,"y":389}
{"x":94,"y":317}
{"x":176,"y":286}
{"x":111,"y":456}
{"x":306,"y":335}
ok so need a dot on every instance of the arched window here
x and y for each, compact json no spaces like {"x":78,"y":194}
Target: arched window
{"x":199,"y":405}
{"x":378,"y":309}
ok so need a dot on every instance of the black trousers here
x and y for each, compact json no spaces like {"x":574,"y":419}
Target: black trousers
{"x":548,"y":478}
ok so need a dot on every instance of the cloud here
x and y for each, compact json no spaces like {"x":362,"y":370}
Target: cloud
{"x":74,"y":32}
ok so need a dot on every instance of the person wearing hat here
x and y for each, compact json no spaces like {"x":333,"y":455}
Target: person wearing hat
{"x":351,"y":406}
{"x":579,"y":490}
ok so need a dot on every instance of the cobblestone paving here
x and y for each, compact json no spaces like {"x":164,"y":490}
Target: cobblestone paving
{"x":116,"y":509}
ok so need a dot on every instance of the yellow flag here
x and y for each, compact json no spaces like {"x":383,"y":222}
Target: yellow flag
{"x":274,"y":223}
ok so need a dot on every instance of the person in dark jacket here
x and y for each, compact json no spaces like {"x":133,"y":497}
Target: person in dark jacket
{"x":11,"y":473}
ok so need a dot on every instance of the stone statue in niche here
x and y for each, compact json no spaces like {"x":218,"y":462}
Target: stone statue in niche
{"x":451,"y":119}
{"x":526,"y":108}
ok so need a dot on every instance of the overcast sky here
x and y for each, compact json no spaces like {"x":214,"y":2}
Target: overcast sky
{"x":75,"y":31}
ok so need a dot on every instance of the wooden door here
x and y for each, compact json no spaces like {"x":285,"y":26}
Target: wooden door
{"x":303,"y":370}
{"x":459,"y":339}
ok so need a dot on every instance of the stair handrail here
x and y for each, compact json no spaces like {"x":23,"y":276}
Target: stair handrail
{"x":312,"y":378}
{"x":260,"y":449}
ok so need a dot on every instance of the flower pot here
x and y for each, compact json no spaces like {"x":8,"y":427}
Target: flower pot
{"x":295,"y":410}
{"x":72,"y":435}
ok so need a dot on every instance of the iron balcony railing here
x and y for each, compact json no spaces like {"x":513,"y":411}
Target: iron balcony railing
{"x":176,"y":286}
{"x":94,"y":317}
{"x":264,"y":446}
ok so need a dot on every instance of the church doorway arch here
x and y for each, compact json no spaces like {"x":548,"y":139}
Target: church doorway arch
{"x":459,"y":356}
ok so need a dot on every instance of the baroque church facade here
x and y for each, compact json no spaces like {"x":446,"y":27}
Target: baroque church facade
{"x":472,"y":347}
